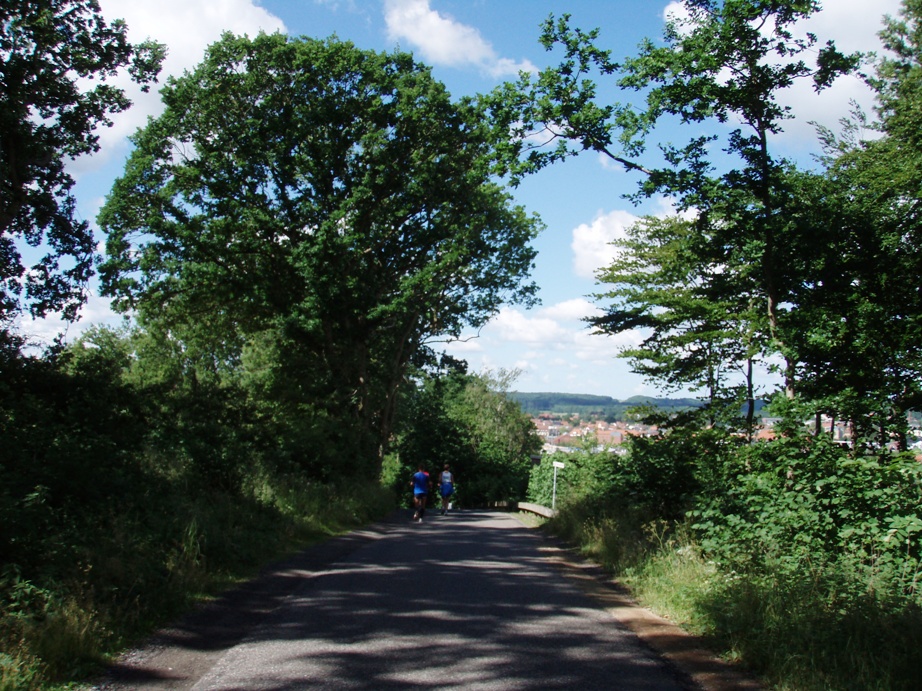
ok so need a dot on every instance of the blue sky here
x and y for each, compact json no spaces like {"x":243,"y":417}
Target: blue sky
{"x":473,"y":45}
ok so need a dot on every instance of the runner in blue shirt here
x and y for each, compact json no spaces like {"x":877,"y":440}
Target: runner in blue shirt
{"x":420,"y":484}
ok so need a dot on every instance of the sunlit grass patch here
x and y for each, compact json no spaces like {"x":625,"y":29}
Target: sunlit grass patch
{"x":672,"y":582}
{"x":146,"y":563}
{"x":801,"y":627}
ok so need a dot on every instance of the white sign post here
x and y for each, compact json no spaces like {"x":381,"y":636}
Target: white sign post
{"x":557,"y":464}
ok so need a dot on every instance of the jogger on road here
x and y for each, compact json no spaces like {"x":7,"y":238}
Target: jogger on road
{"x":421,"y":485}
{"x":446,"y":487}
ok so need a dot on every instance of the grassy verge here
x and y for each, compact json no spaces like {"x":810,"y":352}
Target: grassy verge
{"x":122,"y":571}
{"x":530,"y":520}
{"x":802,"y":627}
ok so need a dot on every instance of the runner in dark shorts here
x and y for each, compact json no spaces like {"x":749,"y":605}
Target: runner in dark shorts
{"x":420,"y":484}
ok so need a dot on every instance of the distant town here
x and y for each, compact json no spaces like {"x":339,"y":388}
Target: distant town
{"x":571,"y":433}
{"x":572,"y":422}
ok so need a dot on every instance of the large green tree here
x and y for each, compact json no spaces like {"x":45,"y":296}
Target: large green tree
{"x":695,"y":315}
{"x":335,"y":198}
{"x":859,"y":316}
{"x":721,"y":68}
{"x":57,"y":62}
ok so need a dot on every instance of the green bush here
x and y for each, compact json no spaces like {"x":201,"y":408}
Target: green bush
{"x":586,"y":474}
{"x":661,"y":475}
{"x":128,"y":568}
{"x":811,"y":629}
{"x":123,"y":499}
{"x":797,"y":558}
{"x":470,"y":423}
{"x":806,"y":500}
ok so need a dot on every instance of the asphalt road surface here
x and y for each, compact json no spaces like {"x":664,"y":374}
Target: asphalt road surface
{"x":463,"y":601}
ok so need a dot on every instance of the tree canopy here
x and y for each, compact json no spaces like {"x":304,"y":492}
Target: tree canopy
{"x":58,"y":61}
{"x":732,"y":273}
{"x":334,"y":197}
{"x":695,"y":314}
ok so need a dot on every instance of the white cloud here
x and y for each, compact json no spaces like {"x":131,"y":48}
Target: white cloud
{"x":853,"y":25}
{"x":571,"y":310}
{"x":666,"y":207}
{"x":41,"y":332}
{"x":556,"y":328}
{"x":553,"y":350}
{"x":464,"y":346}
{"x":186,"y":27}
{"x":443,"y":41}
{"x":524,"y":365}
{"x":591,"y":245}
{"x":596,"y":349}
{"x":513,"y":325}
{"x":676,"y":11}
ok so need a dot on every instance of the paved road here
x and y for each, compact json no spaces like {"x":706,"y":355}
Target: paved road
{"x":465,"y":601}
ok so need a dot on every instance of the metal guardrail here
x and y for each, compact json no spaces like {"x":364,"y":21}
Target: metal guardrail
{"x":525,"y":506}
{"x":536,"y":508}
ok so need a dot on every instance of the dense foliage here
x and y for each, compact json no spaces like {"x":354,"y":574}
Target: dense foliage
{"x":57,"y":63}
{"x":797,"y":557}
{"x":469,"y":422}
{"x":289,"y":235}
{"x":333,"y":205}
{"x":716,"y":286}
{"x":799,"y":554}
{"x":288,"y":282}
{"x":127,"y":491}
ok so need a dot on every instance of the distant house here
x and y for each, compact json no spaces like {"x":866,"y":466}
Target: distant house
{"x":765,"y":434}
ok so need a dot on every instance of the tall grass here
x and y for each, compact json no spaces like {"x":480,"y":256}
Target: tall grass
{"x":139,"y":563}
{"x":817,"y":626}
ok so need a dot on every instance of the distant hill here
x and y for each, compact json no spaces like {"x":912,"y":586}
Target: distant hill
{"x":664,"y":402}
{"x":587,"y":404}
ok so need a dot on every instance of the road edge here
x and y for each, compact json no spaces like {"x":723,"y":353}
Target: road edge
{"x":176,"y":657}
{"x":686,"y":652}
